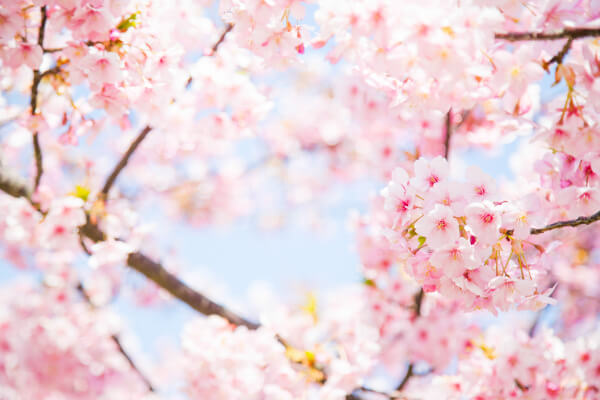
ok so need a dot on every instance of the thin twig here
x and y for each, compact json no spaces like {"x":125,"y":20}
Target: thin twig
{"x":418,"y":302}
{"x":228,"y":29}
{"x":37,"y":77}
{"x":448,"y":133}
{"x":409,"y":374}
{"x":562,"y":224}
{"x":154,"y":271}
{"x":172,"y":284}
{"x":559,"y":57}
{"x":573,"y":33}
{"x":213,"y":49}
{"x":540,"y":314}
{"x":42,"y":30}
{"x":39,"y":165}
{"x":123,"y":161}
{"x":117,"y":342}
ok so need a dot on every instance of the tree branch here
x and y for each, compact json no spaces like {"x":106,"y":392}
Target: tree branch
{"x":166,"y":280}
{"x":42,"y":30}
{"x":562,"y":224}
{"x":409,"y":374}
{"x":448,"y":133}
{"x":559,"y":57}
{"x":37,"y":77}
{"x":228,"y":29}
{"x":567,"y":33}
{"x":39,"y":166}
{"x":538,"y":317}
{"x":123,"y":161}
{"x":117,"y":342}
{"x":140,"y":262}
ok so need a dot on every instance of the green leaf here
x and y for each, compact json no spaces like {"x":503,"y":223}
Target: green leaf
{"x":369,"y":282}
{"x":81,"y":191}
{"x":129,"y":22}
{"x":422,"y":240}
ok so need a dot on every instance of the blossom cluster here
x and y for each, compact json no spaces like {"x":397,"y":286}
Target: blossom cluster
{"x":460,"y":239}
{"x":55,"y":346}
{"x":513,"y":365}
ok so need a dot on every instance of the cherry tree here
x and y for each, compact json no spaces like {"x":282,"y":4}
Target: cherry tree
{"x":114,"y":107}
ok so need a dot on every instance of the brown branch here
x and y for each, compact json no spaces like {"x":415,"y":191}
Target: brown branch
{"x":123,"y":161}
{"x":559,"y":57}
{"x":42,"y":30}
{"x":562,"y":224}
{"x":418,"y":302}
{"x":13,"y":185}
{"x":213,"y":49}
{"x":572,"y":33}
{"x":228,"y":29}
{"x":355,"y":396}
{"x":166,"y":280}
{"x":409,"y":374}
{"x":37,"y":77}
{"x":39,"y":166}
{"x":448,"y":133}
{"x":152,"y":270}
{"x":117,"y":342}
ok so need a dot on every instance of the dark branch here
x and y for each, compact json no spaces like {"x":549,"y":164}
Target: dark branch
{"x":213,"y":49}
{"x":559,"y":57}
{"x":42,"y":30}
{"x":562,"y":224}
{"x":39,"y":165}
{"x":409,"y":374}
{"x":13,"y":185}
{"x":418,"y":302}
{"x":572,"y":33}
{"x":123,"y":161}
{"x":117,"y":342}
{"x":166,"y":280}
{"x":37,"y":77}
{"x":228,"y":29}
{"x":138,"y":261}
{"x":448,"y":134}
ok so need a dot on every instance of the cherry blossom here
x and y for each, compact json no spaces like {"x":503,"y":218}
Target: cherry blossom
{"x":466,"y":133}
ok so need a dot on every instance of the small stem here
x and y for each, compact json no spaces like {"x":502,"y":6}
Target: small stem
{"x":37,"y":77}
{"x":123,"y":161}
{"x":573,"y":222}
{"x":37,"y":151}
{"x":448,"y":133}
{"x":117,"y":341}
{"x":221,"y":39}
{"x":409,"y":374}
{"x":558,"y":57}
{"x":573,"y":33}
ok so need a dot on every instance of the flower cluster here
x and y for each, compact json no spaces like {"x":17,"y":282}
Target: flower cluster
{"x":461,"y":240}
{"x":224,"y":362}
{"x":515,"y":366}
{"x":54,"y":346}
{"x":265,"y":27}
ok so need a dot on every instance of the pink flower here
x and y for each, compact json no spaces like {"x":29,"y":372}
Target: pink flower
{"x":428,"y":173}
{"x":480,"y":186}
{"x":484,"y":221}
{"x":451,"y":194}
{"x":439,"y":227}
{"x":102,"y":68}
{"x":454,"y":258}
{"x":111,"y":99}
{"x":579,"y":201}
{"x":29,"y":54}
